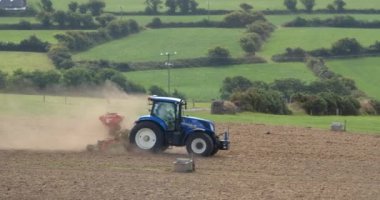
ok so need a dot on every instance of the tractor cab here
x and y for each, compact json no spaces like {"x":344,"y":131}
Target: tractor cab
{"x":166,"y":126}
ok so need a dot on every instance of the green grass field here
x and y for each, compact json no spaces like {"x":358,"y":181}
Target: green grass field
{"x":18,"y":35}
{"x":28,"y":61}
{"x":203,"y":84}
{"x":365,"y":72}
{"x":359,"y":124}
{"x":312,"y":38}
{"x":147,"y":45}
{"x":138,"y":5}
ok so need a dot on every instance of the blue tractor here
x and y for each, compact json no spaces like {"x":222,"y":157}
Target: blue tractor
{"x":166,"y":126}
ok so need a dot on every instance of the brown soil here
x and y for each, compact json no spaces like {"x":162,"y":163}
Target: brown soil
{"x":265,"y":162}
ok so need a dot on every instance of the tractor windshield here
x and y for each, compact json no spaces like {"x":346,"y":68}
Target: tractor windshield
{"x":165,"y":111}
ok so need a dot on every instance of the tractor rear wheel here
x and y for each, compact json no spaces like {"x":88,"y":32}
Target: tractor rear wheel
{"x":200,"y":144}
{"x":147,"y":136}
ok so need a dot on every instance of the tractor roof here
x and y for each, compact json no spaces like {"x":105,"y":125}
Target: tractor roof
{"x":167,"y":99}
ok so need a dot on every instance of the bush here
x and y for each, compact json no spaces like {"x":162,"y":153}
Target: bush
{"x":156,"y":23}
{"x":257,"y":100}
{"x":219,"y":55}
{"x":251,"y":43}
{"x":61,"y":57}
{"x":346,"y":46}
{"x":241,"y":18}
{"x":234,"y":84}
{"x":24,"y":25}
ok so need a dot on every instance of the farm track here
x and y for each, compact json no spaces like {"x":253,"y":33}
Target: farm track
{"x":265,"y":162}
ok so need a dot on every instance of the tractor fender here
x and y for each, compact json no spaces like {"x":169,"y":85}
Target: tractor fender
{"x":153,"y":119}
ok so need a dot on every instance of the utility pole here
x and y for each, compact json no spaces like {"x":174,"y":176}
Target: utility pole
{"x":168,"y":64}
{"x":208,"y":10}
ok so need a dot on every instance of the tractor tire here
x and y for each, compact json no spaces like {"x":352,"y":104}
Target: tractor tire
{"x":214,"y":151}
{"x":200,"y":144}
{"x":147,"y":136}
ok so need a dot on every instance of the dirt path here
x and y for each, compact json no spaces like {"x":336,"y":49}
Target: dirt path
{"x":288,"y":163}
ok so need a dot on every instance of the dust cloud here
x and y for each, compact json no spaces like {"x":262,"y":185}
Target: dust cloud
{"x":68,"y":125}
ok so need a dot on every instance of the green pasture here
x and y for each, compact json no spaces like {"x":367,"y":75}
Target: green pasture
{"x":203,"y":84}
{"x":313,"y":38}
{"x":358,"y":124}
{"x":27,"y":61}
{"x":365,"y":72}
{"x":147,"y":45}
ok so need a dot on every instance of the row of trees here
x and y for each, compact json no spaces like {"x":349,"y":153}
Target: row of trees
{"x":77,"y":15}
{"x":322,"y":97}
{"x":72,"y":78}
{"x":291,"y":5}
{"x":336,"y":21}
{"x":346,"y":47}
{"x":173,"y":6}
{"x":32,"y":43}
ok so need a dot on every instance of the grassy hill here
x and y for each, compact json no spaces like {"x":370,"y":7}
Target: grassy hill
{"x":147,"y":45}
{"x":204,"y":83}
{"x":29,"y":61}
{"x":365,"y":72}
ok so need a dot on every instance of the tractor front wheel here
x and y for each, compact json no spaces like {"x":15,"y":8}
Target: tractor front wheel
{"x":200,"y":144}
{"x":147,"y":136}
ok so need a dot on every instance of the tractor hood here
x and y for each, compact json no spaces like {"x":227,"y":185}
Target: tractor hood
{"x":190,"y":123}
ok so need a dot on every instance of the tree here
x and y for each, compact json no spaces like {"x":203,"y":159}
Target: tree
{"x":83,"y":8}
{"x":346,"y":46}
{"x":152,"y":6}
{"x":156,"y":90}
{"x":291,"y":4}
{"x":172,"y":6}
{"x":45,"y":18}
{"x":73,"y":6}
{"x":309,"y":4}
{"x":96,"y":7}
{"x":246,"y":7}
{"x":234,"y":84}
{"x":251,"y":43}
{"x":75,"y":77}
{"x":46,"y":5}
{"x":184,"y":6}
{"x":219,"y":55}
{"x":315,"y":105}
{"x":60,"y":18}
{"x":104,"y":19}
{"x":42,"y":80}
{"x":193,"y":6}
{"x":288,"y":87}
{"x":339,"y":4}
